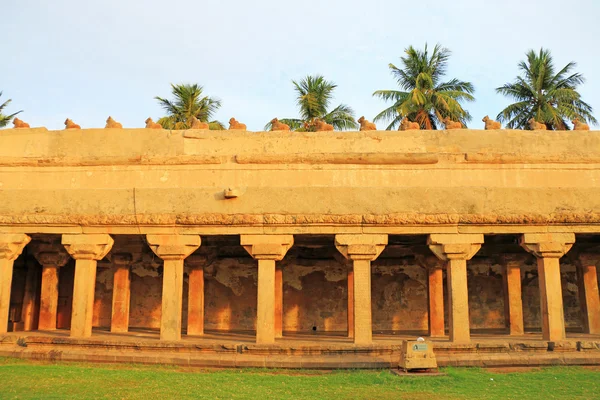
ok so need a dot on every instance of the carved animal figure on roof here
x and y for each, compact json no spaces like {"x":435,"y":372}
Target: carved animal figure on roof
{"x":452,"y":124}
{"x":580,"y":126}
{"x":235,"y":124}
{"x":111,"y":123}
{"x":71,"y":125}
{"x":279,"y":126}
{"x":491,"y":124}
{"x":195,"y":123}
{"x":406,"y":125}
{"x":152,"y":125}
{"x":536,"y":126}
{"x":20,"y":124}
{"x":366,"y":125}
{"x":322,"y":126}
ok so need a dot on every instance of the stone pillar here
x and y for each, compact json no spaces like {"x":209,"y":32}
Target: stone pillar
{"x":29,"y":314}
{"x":11,"y":246}
{"x":87,"y":250}
{"x":278,"y":301}
{"x":435,"y":293}
{"x":513,"y":301}
{"x":173,"y":249}
{"x":196,"y":264}
{"x":456,"y":250}
{"x":267,"y":249}
{"x":589,"y":298}
{"x":351,"y":302}
{"x":549,"y":248}
{"x":119,"y":321}
{"x":51,"y":257}
{"x":361,"y":249}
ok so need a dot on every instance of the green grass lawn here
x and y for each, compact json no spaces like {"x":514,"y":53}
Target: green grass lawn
{"x":32,"y":380}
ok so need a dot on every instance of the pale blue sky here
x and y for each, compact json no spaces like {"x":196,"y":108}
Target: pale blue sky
{"x":86,"y":60}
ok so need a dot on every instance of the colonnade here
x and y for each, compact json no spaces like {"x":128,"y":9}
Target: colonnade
{"x":453,"y":251}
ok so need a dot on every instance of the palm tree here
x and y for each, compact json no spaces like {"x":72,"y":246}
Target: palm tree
{"x":314,"y":97}
{"x":188,"y":101}
{"x":5,"y":119}
{"x":544,"y":95}
{"x":423,"y":98}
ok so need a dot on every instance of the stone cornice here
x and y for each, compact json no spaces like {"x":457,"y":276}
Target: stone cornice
{"x":302,"y":219}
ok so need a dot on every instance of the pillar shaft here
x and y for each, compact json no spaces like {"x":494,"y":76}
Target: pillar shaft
{"x":267,"y":249}
{"x":458,"y":301}
{"x":29,"y":314}
{"x":172,"y":300}
{"x":548,"y":248}
{"x":435,"y":280}
{"x":361,"y":250}
{"x":351,"y":302}
{"x":278,"y":301}
{"x":11,"y":246}
{"x":363,"y":328}
{"x":48,"y":298}
{"x":513,"y":302}
{"x":456,"y":249}
{"x":173,"y":249}
{"x":6,"y":273}
{"x":86,"y":250}
{"x":121,"y":299}
{"x":589,"y":298}
{"x":196,"y":301}
{"x":265,"y":310}
{"x":553,"y":318}
{"x":83,"y":298}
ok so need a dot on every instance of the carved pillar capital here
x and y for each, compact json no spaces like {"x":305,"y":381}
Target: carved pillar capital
{"x":197,"y":260}
{"x":267,"y":247}
{"x":588,"y":260}
{"x":50,"y":254}
{"x":173,"y":247}
{"x":430,"y":262}
{"x":547,"y":245}
{"x":361,"y":247}
{"x":12,"y":244}
{"x":122,"y":259}
{"x":454,"y":246}
{"x":512,"y":260}
{"x":88,"y":247}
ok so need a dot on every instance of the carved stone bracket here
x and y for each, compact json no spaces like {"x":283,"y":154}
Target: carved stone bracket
{"x":173,"y":247}
{"x":11,"y":245}
{"x":88,"y":247}
{"x":361,"y":247}
{"x":430,"y":262}
{"x":122,"y":259}
{"x":455,"y":246}
{"x":547,"y":245}
{"x":267,"y":247}
{"x":50,"y":254}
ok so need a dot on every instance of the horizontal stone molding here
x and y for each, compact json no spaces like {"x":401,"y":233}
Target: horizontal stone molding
{"x":300,"y":219}
{"x":110,"y":161}
{"x":339,"y":158}
{"x":515,"y":158}
{"x":305,"y":158}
